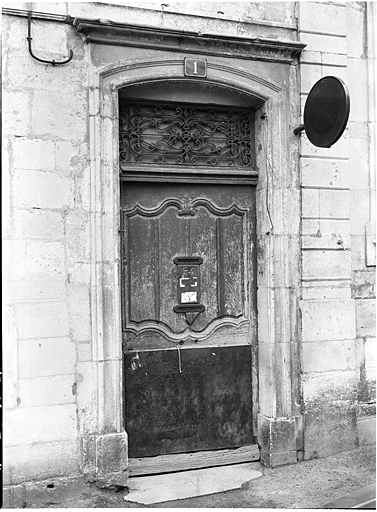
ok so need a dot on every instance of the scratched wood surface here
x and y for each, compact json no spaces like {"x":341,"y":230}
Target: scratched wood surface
{"x":165,"y":221}
{"x":187,"y":461}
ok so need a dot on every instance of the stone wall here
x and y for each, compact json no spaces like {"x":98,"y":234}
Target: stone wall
{"x":46,"y":250}
{"x":338,"y":259}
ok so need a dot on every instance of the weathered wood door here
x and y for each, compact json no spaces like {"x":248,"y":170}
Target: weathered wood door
{"x":188,"y":314}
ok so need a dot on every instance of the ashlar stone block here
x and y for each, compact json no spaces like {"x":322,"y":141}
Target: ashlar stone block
{"x":6,"y":197}
{"x":310,"y":74}
{"x":40,"y":461}
{"x":370,"y":346}
{"x":12,"y":28}
{"x":16,"y":113}
{"x":364,"y":281}
{"x":326,"y":320}
{"x":77,"y":228}
{"x":323,"y":58}
{"x":340,"y":150}
{"x":38,"y":224}
{"x":360,"y":211}
{"x":33,"y":154}
{"x":39,"y":285}
{"x":355,"y":29}
{"x":278,"y":439}
{"x":51,"y":390}
{"x":82,"y":189}
{"x":330,"y":427}
{"x":319,"y":17}
{"x":324,"y":43}
{"x":112,"y":452}
{"x":359,"y":159}
{"x":84,"y":352}
{"x":54,"y":114}
{"x":50,"y":42}
{"x":86,"y":396}
{"x":357,"y":77}
{"x":326,"y":290}
{"x":79,"y":312}
{"x":79,"y":273}
{"x":14,"y":258}
{"x":42,"y":424}
{"x":333,"y":241}
{"x":334,"y":203}
{"x":45,"y":256}
{"x":310,"y":202}
{"x":366,"y":431}
{"x":42,"y":320}
{"x":324,"y":173}
{"x":10,"y":358}
{"x":366,"y":317}
{"x":340,"y":385}
{"x":322,"y":264}
{"x":322,"y":227}
{"x":323,"y":356}
{"x":71,"y":157}
{"x":35,"y":189}
{"x":45,"y":357}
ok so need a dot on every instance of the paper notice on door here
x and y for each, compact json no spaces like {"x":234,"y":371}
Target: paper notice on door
{"x":188,"y":297}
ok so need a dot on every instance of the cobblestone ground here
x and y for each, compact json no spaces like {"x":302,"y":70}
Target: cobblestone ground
{"x":307,"y":484}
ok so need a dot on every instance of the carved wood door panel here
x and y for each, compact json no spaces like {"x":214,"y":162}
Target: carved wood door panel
{"x":188,"y":315}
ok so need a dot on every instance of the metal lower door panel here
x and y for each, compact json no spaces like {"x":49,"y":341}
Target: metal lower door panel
{"x":188,"y":400}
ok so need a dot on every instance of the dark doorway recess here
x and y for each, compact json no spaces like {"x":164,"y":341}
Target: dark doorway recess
{"x":188,"y":226}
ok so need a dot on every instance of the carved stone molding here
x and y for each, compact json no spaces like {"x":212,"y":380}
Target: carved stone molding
{"x":107,"y":32}
{"x":277,"y":201}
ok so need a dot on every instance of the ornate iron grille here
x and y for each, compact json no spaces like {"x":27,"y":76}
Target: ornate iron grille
{"x":194,"y":136}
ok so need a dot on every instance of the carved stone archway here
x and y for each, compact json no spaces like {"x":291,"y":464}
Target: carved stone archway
{"x":278,"y":214}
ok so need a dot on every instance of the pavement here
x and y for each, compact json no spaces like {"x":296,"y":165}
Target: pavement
{"x":305,"y":485}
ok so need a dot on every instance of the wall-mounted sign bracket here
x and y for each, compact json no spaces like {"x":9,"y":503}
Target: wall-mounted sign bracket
{"x":188,"y":287}
{"x":300,"y":128}
{"x":53,"y":62}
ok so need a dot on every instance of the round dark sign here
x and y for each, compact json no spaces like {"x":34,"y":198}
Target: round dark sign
{"x":326,"y":111}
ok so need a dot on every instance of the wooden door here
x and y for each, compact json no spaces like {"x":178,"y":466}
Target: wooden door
{"x":188,"y":315}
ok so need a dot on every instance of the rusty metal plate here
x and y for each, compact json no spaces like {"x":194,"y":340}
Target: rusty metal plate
{"x":188,"y":400}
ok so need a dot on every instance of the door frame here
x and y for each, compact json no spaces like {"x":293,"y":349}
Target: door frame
{"x":279,"y":420}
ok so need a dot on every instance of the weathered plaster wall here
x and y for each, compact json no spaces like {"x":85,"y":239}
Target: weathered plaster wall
{"x":338,"y":280}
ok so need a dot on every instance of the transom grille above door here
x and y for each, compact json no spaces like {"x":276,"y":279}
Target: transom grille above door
{"x":185,"y":136}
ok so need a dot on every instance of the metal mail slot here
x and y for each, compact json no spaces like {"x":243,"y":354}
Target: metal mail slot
{"x":188,"y":284}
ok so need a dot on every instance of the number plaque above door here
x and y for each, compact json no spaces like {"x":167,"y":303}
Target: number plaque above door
{"x":196,"y":67}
